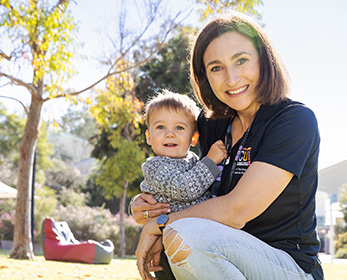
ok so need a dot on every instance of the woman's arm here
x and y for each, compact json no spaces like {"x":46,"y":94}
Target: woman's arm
{"x":261,"y":184}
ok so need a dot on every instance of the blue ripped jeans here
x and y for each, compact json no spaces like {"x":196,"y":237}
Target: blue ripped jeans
{"x":204,"y":249}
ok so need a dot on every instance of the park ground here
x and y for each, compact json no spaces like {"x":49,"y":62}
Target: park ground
{"x":118,"y":269}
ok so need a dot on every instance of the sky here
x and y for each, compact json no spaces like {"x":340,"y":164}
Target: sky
{"x":309,"y":35}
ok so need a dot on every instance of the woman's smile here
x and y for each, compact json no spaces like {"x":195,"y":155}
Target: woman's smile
{"x":237,"y":91}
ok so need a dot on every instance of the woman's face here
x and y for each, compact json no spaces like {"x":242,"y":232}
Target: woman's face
{"x":232,"y":68}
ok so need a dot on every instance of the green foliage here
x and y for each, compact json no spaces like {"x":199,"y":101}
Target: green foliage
{"x":98,"y":224}
{"x":11,"y":131}
{"x":11,"y":128}
{"x":341,"y":245}
{"x":7,"y":225}
{"x":122,"y":166}
{"x":79,"y":122}
{"x":88,"y":223}
{"x":70,"y":197}
{"x":96,"y":193}
{"x":343,"y":201}
{"x":118,"y":148}
{"x":6,"y":205}
{"x":169,"y":68}
{"x":218,"y":6}
{"x":341,"y":253}
{"x":44,"y":205}
{"x":62,"y":175}
{"x":132,"y":234}
{"x":44,"y":149}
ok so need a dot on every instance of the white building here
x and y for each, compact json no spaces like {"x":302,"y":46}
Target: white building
{"x":330,"y":182}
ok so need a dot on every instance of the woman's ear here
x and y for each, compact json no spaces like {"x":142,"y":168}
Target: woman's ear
{"x":195,"y":138}
{"x":148,"y":138}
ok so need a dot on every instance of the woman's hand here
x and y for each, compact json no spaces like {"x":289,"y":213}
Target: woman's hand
{"x":145,"y":207}
{"x":148,"y":250}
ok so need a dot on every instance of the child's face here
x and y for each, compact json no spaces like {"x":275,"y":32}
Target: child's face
{"x":171,"y":132}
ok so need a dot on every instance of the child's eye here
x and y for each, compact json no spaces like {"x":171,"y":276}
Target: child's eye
{"x":160,"y":127}
{"x":241,"y":61}
{"x":180,"y":128}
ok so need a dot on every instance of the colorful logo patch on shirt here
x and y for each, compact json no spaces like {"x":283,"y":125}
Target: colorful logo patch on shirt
{"x":243,"y":161}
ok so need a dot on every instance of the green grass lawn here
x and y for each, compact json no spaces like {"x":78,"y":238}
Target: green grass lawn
{"x":11,"y":269}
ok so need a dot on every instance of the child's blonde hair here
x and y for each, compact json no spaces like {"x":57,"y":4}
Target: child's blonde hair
{"x":172,"y":101}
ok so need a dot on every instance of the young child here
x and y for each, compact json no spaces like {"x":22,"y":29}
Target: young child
{"x":176,"y":175}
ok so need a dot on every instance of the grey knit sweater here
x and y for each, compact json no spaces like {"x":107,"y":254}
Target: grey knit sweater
{"x":181,"y":182}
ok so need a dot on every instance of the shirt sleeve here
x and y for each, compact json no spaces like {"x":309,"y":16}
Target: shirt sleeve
{"x":290,"y":139}
{"x":163,"y":176}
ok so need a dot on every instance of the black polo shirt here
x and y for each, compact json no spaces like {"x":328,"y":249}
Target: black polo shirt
{"x":285,"y":135}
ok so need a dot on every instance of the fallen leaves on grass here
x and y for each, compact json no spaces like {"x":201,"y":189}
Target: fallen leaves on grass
{"x":118,"y":269}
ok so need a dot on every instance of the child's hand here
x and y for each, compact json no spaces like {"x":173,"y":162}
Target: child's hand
{"x":217,"y":152}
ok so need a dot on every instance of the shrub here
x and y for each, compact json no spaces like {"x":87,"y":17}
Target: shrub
{"x":71,"y":197}
{"x":6,"y":205}
{"x":341,"y":253}
{"x":7,"y":225}
{"x":98,"y":224}
{"x":87,"y":223}
{"x":63,"y":174}
{"x":44,"y":207}
{"x":341,"y":246}
{"x":132,"y":234}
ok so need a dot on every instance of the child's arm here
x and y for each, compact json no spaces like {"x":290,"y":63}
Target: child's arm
{"x":217,"y":152}
{"x":163,"y":177}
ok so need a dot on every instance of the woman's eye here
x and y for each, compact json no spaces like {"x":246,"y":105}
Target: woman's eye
{"x":241,"y":61}
{"x":216,"y":69}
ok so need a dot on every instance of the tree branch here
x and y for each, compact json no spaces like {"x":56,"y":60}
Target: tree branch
{"x":5,"y":55}
{"x":21,"y":103}
{"x":19,"y":82}
{"x":110,"y":73}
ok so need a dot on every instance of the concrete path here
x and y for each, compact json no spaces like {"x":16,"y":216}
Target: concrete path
{"x":325,"y":258}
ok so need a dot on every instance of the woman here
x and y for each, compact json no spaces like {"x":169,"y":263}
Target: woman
{"x":262,"y":223}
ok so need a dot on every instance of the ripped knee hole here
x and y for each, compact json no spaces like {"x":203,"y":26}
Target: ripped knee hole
{"x":177,"y":252}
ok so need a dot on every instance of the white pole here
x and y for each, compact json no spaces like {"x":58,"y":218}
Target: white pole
{"x":332,"y":232}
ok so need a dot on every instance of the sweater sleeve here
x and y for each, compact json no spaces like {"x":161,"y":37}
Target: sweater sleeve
{"x":164,"y":177}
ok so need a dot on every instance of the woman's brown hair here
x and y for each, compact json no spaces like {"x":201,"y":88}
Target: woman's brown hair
{"x":273,"y":84}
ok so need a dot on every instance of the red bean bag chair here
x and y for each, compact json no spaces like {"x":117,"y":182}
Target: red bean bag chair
{"x":59,"y":244}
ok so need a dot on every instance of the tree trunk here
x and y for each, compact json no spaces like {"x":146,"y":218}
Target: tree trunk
{"x":121,"y":252}
{"x":22,"y":242}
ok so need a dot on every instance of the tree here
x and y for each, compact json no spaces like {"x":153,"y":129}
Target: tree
{"x":41,"y":35}
{"x":343,"y":201}
{"x":217,"y":6}
{"x":11,"y":129}
{"x":341,"y":242}
{"x":79,"y":123}
{"x":11,"y":126}
{"x":118,"y":112}
{"x":42,"y":44}
{"x":168,"y":68}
